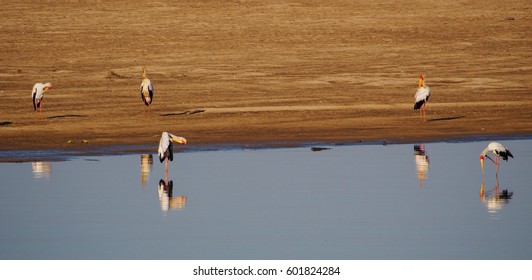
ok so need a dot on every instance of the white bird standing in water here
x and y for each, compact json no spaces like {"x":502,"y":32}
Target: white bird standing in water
{"x":37,"y":94}
{"x":421,"y":97}
{"x":166,"y":148}
{"x":499,"y":151}
{"x":146,"y":89}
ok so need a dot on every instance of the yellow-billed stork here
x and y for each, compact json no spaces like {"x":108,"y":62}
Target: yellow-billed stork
{"x":146,"y":89}
{"x":37,"y":94}
{"x":166,"y":152}
{"x":421,"y":97}
{"x":499,"y":151}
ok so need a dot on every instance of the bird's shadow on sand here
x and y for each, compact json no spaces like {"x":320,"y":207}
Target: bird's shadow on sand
{"x":183,"y":113}
{"x":66,"y":116}
{"x":446,"y":119}
{"x":5,"y":123}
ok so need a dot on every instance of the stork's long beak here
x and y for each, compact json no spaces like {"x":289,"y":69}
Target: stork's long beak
{"x":420,"y":81}
{"x":179,"y":140}
{"x":482,"y":163}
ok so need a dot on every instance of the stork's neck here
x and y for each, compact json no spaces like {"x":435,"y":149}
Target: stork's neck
{"x":143,"y":73}
{"x":484,"y":152}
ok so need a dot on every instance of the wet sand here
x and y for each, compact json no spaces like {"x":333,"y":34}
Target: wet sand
{"x":256,"y":73}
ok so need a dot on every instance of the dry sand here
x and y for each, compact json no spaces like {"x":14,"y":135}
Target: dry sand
{"x":263,"y":72}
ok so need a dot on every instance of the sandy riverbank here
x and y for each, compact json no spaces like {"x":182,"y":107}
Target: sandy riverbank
{"x":250,"y":73}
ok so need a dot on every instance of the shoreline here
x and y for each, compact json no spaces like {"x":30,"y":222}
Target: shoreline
{"x":62,"y":154}
{"x":257,"y":74}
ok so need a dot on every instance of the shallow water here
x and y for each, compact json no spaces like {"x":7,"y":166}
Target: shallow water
{"x":347,"y":202}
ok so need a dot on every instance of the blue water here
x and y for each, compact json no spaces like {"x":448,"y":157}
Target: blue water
{"x":347,"y":202}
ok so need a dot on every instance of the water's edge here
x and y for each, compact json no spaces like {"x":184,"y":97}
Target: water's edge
{"x":68,"y":154}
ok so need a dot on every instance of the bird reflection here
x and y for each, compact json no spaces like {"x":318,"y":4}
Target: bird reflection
{"x":41,"y":169}
{"x":146,"y":161}
{"x":422,"y":163}
{"x":168,"y":201}
{"x":495,"y":198}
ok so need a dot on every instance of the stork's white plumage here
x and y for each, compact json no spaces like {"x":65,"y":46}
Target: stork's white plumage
{"x":146,"y":89}
{"x":499,"y":151}
{"x":37,"y":94}
{"x":166,"y":152}
{"x":422,"y":96}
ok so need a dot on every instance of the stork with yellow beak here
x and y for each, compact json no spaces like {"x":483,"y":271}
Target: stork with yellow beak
{"x":421,"y":97}
{"x":166,"y":147}
{"x":37,"y":94}
{"x":146,"y":89}
{"x":499,"y":151}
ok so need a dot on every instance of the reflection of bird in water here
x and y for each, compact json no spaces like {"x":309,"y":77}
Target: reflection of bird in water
{"x":166,"y":152}
{"x":146,"y":161}
{"x":41,"y":169}
{"x":146,"y":89}
{"x":37,"y":95}
{"x":422,"y":163}
{"x":494,"y":199}
{"x":166,"y":197}
{"x":499,"y":151}
{"x":421,"y":97}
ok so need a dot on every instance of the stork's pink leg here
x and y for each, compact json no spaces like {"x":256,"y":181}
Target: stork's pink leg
{"x":40,"y":107}
{"x":166,"y":169}
{"x":498,"y":160}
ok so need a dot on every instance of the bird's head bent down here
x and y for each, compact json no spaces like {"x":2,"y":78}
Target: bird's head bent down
{"x":166,"y":148}
{"x":177,"y":139}
{"x":47,"y":87}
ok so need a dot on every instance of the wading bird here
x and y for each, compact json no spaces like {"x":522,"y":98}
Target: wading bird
{"x":421,"y":97}
{"x":37,"y":95}
{"x":146,"y":89}
{"x":499,"y":151}
{"x":166,"y":148}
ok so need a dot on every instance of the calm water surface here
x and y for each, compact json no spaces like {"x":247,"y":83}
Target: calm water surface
{"x":423,"y":201}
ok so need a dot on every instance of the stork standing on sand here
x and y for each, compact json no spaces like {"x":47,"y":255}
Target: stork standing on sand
{"x":166,"y":152}
{"x":499,"y":151}
{"x":146,"y":89}
{"x":37,"y":95}
{"x":421,"y":97}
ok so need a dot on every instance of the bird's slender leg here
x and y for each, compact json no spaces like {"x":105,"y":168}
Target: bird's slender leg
{"x":496,"y":189}
{"x":498,"y":160}
{"x":166,"y":170}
